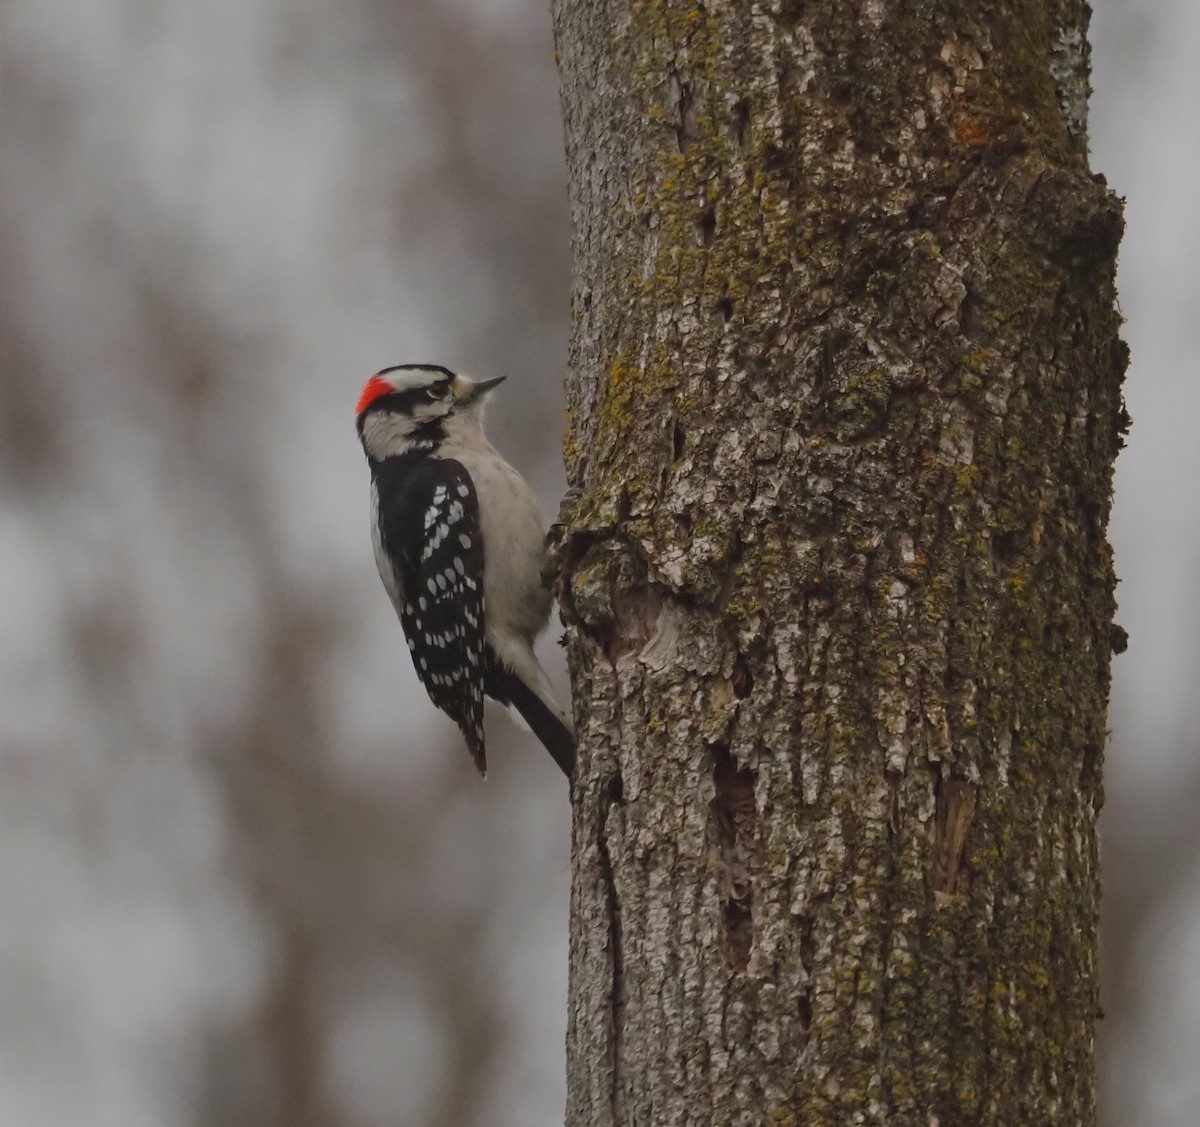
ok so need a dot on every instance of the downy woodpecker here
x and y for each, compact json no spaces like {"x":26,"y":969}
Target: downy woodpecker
{"x":460,"y":546}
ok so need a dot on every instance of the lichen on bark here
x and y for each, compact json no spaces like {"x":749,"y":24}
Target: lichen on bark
{"x":844,"y":401}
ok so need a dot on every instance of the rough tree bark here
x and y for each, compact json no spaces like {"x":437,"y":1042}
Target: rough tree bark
{"x":844,"y":402}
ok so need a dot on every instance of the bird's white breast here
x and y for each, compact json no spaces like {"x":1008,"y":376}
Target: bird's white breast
{"x":514,"y":542}
{"x":386,"y":571}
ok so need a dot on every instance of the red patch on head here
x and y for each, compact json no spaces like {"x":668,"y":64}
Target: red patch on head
{"x":372,"y":390}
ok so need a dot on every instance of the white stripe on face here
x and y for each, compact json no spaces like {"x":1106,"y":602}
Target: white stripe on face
{"x":407,"y":379}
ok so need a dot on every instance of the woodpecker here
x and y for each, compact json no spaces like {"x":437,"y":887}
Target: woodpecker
{"x":460,"y":547}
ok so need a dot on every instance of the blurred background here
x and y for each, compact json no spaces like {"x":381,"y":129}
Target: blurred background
{"x":247,"y":874}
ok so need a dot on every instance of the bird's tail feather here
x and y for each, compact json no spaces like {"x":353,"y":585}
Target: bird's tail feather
{"x":543,"y":720}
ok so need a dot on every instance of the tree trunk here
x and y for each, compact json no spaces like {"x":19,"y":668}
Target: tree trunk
{"x":844,"y":403}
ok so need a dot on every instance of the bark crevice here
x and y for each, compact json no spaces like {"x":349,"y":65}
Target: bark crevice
{"x":613,"y":797}
{"x":735,"y":831}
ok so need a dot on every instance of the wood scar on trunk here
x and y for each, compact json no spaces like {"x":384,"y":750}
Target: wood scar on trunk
{"x":735,"y":816}
{"x":954,"y":814}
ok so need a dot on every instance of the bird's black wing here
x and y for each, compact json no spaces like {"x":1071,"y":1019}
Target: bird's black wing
{"x":430,"y":526}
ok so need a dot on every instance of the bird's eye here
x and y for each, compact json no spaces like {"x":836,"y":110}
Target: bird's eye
{"x":438,"y":390}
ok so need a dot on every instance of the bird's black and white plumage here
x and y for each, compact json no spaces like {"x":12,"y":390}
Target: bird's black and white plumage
{"x":460,"y":546}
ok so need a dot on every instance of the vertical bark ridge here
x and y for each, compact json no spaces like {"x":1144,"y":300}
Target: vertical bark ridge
{"x":844,"y":403}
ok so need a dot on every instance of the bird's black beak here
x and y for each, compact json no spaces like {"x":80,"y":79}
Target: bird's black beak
{"x":468,"y":391}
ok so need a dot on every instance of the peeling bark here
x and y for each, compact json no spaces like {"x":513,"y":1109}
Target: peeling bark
{"x":844,"y":405}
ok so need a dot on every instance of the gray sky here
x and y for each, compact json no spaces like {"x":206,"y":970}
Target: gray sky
{"x":1146,"y":90}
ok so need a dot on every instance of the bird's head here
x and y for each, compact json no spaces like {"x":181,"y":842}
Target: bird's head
{"x":410,"y":406}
